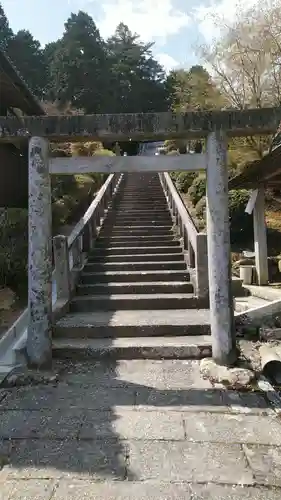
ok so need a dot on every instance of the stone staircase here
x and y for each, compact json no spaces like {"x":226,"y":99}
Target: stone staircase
{"x":134,"y":297}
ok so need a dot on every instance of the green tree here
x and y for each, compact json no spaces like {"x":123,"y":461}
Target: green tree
{"x":78,"y":66}
{"x":137,"y":79}
{"x":28,"y":57}
{"x":193,"y":90}
{"x":5,"y":31}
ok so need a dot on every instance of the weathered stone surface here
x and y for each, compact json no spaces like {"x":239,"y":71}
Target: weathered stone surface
{"x":189,"y":462}
{"x":37,"y":424}
{"x":27,"y":490}
{"x":223,"y":428}
{"x":149,"y":373}
{"x":218,"y":236}
{"x":98,"y":460}
{"x":183,"y":374}
{"x":6,"y":490}
{"x":24,"y":377}
{"x":231,"y":377}
{"x":65,"y":396}
{"x":86,"y":490}
{"x":143,"y":125}
{"x":192,"y":399}
{"x":90,"y":441}
{"x":247,"y":402}
{"x":133,"y":425}
{"x":39,"y":335}
{"x":265,"y":462}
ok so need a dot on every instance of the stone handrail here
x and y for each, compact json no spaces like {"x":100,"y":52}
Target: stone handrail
{"x":194,"y":242}
{"x":69,"y":251}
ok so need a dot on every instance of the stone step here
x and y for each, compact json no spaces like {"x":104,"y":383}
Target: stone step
{"x":149,"y":287}
{"x":143,"y":227}
{"x":126,"y":232}
{"x":148,"y":217}
{"x":142,"y":188}
{"x":133,"y":207}
{"x":245,"y":303}
{"x":153,"y":211}
{"x":136,"y":266}
{"x":145,"y":194}
{"x":153,"y":229}
{"x":137,"y":222}
{"x":144,"y":199}
{"x":125,"y":302}
{"x":134,"y":324}
{"x":137,"y":257}
{"x":125,"y":250}
{"x":141,"y":240}
{"x":142,"y":191}
{"x":133,"y":276}
{"x":137,"y":205}
{"x":134,"y":348}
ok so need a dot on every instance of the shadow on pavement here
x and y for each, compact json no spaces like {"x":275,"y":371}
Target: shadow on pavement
{"x":75,"y":428}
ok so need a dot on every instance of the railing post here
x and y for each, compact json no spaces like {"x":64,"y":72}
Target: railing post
{"x":39,"y":332}
{"x":62,"y":268}
{"x":201,"y":265}
{"x":191,"y":255}
{"x":87,"y":238}
{"x":221,"y":303}
{"x":77,"y":253}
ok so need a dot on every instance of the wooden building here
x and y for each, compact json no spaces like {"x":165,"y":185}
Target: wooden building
{"x":15,"y":99}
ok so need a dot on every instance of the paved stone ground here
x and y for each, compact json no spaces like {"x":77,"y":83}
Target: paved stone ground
{"x":137,"y":430}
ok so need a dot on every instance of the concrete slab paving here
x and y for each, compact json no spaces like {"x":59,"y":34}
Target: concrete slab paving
{"x":137,"y":430}
{"x":224,"y":428}
{"x":51,"y":459}
{"x":47,"y":424}
{"x":190,"y":462}
{"x":28,"y":490}
{"x":129,"y":424}
{"x":65,"y":396}
{"x":85,"y":490}
{"x":265,"y":462}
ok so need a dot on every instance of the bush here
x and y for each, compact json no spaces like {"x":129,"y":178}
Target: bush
{"x":241,"y":223}
{"x":104,"y":152}
{"x":184,"y":181}
{"x":200,"y":208}
{"x":197,"y":189}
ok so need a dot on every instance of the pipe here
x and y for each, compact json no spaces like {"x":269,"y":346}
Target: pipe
{"x":271,"y":362}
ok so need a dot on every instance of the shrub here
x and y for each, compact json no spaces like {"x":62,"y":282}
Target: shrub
{"x":104,"y":152}
{"x":200,"y":208}
{"x":184,"y":181}
{"x":197,"y":189}
{"x":241,"y":223}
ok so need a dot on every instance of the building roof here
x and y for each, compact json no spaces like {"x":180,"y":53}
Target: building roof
{"x":14,"y":92}
{"x":265,"y":171}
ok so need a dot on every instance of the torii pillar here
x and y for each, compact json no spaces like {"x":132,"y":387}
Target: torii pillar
{"x":219,"y":257}
{"x":39,"y":332}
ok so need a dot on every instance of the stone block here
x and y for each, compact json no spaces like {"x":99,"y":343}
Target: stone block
{"x":190,"y":462}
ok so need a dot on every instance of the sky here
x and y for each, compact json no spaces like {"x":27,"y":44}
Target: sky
{"x":175,"y":26}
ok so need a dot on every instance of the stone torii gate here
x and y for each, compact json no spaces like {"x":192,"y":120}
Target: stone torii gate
{"x":215,"y":127}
